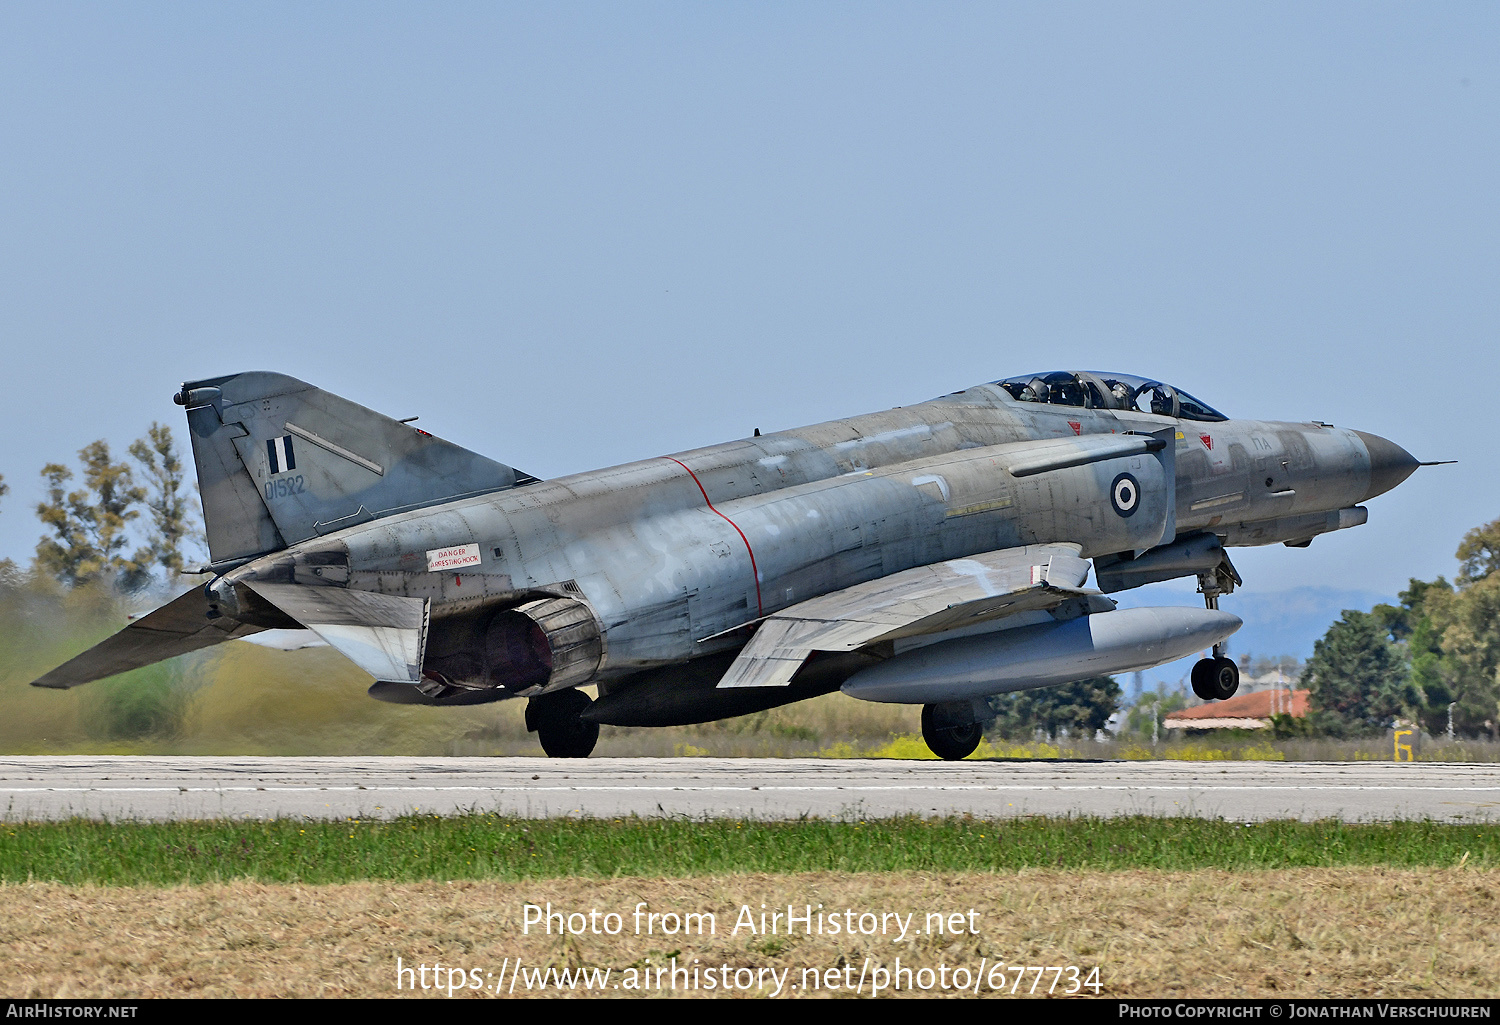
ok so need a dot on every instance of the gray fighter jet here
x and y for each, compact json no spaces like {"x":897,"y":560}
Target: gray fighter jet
{"x":933,"y":554}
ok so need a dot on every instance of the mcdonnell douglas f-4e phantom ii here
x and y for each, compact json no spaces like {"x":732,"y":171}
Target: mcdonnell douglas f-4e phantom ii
{"x":932,"y":554}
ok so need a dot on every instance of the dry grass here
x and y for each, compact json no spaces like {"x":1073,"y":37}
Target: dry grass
{"x":1308,"y":933}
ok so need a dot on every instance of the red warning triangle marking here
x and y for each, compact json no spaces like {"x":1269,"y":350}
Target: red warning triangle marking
{"x":1208,"y":442}
{"x":1077,"y":426}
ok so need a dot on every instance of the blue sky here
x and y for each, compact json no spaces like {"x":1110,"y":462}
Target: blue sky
{"x":570,"y":235}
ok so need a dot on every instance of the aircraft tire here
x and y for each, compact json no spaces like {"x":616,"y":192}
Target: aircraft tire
{"x":560,"y":726}
{"x":1203,"y":679}
{"x":1226,"y":678}
{"x":951,"y":743}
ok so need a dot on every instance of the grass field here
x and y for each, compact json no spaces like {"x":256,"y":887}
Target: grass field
{"x":1159,"y":907}
{"x":491,"y":847}
{"x":1310,"y":932}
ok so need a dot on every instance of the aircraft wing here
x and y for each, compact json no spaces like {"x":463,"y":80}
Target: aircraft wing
{"x":383,"y":634}
{"x":925,"y":600}
{"x":178,"y":627}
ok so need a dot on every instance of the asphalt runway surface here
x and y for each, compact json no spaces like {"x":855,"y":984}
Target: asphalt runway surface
{"x":149,"y":788}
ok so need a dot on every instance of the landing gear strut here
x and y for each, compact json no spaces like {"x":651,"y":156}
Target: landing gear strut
{"x":557,"y":721}
{"x":953,"y":729}
{"x":1216,"y":678}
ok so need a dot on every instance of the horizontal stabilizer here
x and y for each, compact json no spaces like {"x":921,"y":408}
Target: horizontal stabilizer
{"x":383,"y":634}
{"x":180,"y":626}
{"x":925,"y":600}
{"x":287,"y":640}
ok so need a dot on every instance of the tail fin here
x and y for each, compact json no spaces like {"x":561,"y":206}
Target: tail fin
{"x":280,"y":461}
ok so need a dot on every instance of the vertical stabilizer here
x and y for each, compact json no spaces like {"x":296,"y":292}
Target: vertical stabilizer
{"x":280,"y":461}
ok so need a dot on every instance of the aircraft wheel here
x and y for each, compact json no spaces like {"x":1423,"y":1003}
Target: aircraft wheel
{"x":950,"y":743}
{"x":557,"y":720}
{"x":1203,"y":678}
{"x":1226,"y":678}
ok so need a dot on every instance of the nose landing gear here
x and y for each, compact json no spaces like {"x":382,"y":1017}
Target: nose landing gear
{"x":1217,"y":678}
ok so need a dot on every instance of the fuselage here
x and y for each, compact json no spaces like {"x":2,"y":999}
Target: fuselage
{"x":672,"y":553}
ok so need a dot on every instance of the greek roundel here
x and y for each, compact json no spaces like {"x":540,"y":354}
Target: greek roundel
{"x":1125,"y":494}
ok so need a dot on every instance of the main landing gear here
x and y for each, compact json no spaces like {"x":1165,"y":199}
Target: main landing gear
{"x":953,"y":729}
{"x":557,"y":720}
{"x":1216,"y":678}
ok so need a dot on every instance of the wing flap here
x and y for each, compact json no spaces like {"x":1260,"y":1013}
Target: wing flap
{"x":383,"y":634}
{"x":925,"y":600}
{"x":178,"y":627}
{"x":781,"y":646}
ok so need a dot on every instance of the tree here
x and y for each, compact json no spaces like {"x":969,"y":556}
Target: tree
{"x":1464,"y":629}
{"x":1410,"y":625}
{"x":1479,"y":553}
{"x":1467,"y":625}
{"x":91,"y":525}
{"x":8,"y":572}
{"x":1405,"y":619}
{"x":1147,"y":713}
{"x":1358,"y":677}
{"x":1452,"y":636}
{"x":165,"y":498}
{"x":1081,"y":708}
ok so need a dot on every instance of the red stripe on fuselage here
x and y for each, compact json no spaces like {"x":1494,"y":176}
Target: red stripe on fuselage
{"x":754,"y":572}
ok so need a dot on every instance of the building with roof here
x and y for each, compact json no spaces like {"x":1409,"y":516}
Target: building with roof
{"x":1242,"y":712}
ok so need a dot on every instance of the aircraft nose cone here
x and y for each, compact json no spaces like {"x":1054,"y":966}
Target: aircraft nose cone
{"x":1390,"y":464}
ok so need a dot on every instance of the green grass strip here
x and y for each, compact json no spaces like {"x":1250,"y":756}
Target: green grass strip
{"x":491,"y":847}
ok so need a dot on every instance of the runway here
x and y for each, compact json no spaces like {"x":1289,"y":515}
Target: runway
{"x":142,"y":788}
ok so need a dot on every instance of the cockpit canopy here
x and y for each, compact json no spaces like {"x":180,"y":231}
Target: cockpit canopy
{"x":1108,"y":391}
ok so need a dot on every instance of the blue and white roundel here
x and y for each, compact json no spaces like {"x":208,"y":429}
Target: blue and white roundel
{"x":1125,"y":494}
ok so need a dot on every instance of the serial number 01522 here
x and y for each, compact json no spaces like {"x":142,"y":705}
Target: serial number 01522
{"x":283,"y":486}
